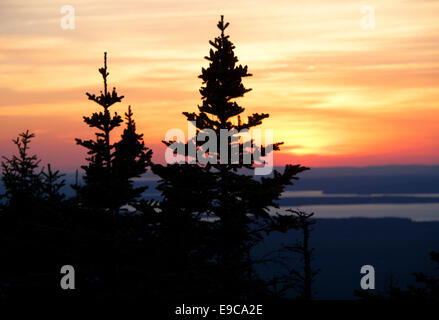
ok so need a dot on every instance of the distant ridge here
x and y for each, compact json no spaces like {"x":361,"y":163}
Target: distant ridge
{"x":393,"y":179}
{"x":389,"y":170}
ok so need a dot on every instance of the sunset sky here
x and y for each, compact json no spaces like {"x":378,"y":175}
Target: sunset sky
{"x":338,"y":95}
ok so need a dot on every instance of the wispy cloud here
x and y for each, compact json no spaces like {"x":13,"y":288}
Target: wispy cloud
{"x":334,"y":90}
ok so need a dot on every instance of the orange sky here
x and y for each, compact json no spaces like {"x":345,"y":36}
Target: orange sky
{"x":337,"y":94}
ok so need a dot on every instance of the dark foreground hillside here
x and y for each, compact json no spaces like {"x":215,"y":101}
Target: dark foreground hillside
{"x":395,"y":247}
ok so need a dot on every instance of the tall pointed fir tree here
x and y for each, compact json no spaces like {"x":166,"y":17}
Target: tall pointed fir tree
{"x":240,"y":202}
{"x":111,"y":166}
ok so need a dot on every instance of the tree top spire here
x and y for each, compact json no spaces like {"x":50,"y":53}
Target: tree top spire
{"x":222,"y":26}
{"x":103,"y":71}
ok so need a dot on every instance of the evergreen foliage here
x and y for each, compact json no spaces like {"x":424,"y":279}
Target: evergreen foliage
{"x":21,"y":177}
{"x":240,"y":202}
{"x":52,"y":184}
{"x":131,"y":160}
{"x":111,"y":166}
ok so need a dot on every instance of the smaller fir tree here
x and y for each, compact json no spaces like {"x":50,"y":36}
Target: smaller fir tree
{"x":27,"y":185}
{"x":20,"y":177}
{"x":131,"y":159}
{"x":52,"y":183}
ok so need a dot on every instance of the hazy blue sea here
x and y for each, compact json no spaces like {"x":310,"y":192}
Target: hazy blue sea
{"x":409,"y":209}
{"x":413,"y":211}
{"x":409,"y":192}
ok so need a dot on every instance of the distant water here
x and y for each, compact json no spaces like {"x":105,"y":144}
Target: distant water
{"x":406,"y":205}
{"x":321,"y":194}
{"x":413,"y":211}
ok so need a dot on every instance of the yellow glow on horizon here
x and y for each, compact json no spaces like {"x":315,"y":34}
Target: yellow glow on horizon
{"x":332,"y":89}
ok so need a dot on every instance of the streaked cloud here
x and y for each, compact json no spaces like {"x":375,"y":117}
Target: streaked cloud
{"x":335,"y":92}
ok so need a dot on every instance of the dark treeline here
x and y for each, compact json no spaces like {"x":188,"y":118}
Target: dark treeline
{"x":424,"y":289}
{"x":194,"y":244}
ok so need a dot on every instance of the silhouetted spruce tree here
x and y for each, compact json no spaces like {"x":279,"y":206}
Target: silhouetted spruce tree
{"x":20,"y":175}
{"x":111,"y":166}
{"x":131,"y":159}
{"x":240,"y":201}
{"x":25,"y":182}
{"x":108,"y":181}
{"x":32,"y":224}
{"x":99,"y":182}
